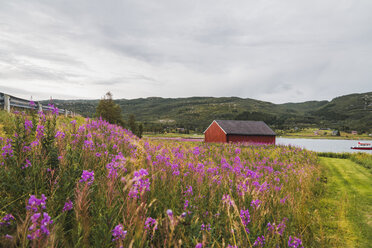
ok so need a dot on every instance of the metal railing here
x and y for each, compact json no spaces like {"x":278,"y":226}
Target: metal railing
{"x":8,"y":101}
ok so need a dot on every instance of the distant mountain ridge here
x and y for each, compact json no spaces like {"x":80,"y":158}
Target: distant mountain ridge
{"x":349,"y":112}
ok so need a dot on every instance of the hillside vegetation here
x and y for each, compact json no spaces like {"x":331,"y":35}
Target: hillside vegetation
{"x":350,"y":112}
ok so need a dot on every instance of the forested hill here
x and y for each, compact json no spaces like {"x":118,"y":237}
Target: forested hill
{"x":349,"y":112}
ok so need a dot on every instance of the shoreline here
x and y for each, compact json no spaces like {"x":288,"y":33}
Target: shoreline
{"x":324,"y":137}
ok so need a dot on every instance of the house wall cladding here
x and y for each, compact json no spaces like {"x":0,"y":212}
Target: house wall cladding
{"x":214,"y":134}
{"x":251,"y":139}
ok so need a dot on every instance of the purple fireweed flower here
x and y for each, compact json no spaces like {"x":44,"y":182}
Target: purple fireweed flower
{"x":40,"y":131}
{"x":88,"y":145}
{"x":44,"y":223}
{"x":260,"y":241}
{"x":242,"y":187}
{"x":226,"y":200}
{"x":68,"y":206}
{"x":39,"y":226}
{"x":7,"y":236}
{"x":278,"y":229}
{"x":282,"y":201}
{"x":186,"y":204}
{"x":73,"y":122}
{"x":7,"y":149}
{"x":34,"y":219}
{"x":6,"y":220}
{"x":246,"y":218}
{"x":281,"y":227}
{"x":255,"y":204}
{"x":113,"y":173}
{"x":117,"y":163}
{"x":151,"y":223}
{"x":54,"y":109}
{"x":294,"y":242}
{"x":141,"y":172}
{"x":87,"y":176}
{"x":32,"y":103}
{"x":27,"y":164}
{"x":118,"y":233}
{"x":278,"y":188}
{"x":205,"y":227}
{"x":224,"y":164}
{"x":41,"y":116}
{"x":26,"y":149}
{"x":28,"y":125}
{"x":140,"y":183}
{"x":170,"y":213}
{"x":34,"y":143}
{"x":199,"y":245}
{"x":196,"y":151}
{"x":264,"y":186}
{"x":183,"y":215}
{"x":81,"y":129}
{"x":34,"y":204}
{"x":60,"y":134}
{"x":189,"y":190}
{"x":256,"y":184}
{"x":270,"y":226}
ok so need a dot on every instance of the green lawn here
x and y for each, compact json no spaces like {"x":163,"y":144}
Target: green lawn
{"x":346,"y":207}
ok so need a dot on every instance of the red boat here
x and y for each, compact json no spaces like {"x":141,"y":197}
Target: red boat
{"x":362,"y":146}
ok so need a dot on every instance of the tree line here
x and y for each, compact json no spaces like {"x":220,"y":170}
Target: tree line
{"x":108,"y":110}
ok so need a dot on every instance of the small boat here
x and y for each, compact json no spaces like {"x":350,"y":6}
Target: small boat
{"x":362,"y":146}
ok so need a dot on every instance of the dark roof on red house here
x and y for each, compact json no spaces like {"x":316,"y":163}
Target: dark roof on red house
{"x":245,"y":127}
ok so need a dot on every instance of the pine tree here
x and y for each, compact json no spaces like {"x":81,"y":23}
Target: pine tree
{"x":132,"y":124}
{"x":108,"y":110}
{"x":140,"y":130}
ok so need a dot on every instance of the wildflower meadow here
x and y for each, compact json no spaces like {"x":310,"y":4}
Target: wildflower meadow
{"x":86,"y":183}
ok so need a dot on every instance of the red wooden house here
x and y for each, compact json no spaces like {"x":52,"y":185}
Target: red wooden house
{"x":239,"y":131}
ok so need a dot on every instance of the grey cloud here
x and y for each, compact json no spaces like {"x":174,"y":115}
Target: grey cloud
{"x":28,"y":94}
{"x":270,"y":50}
{"x":15,"y":91}
{"x":34,"y":72}
{"x":127,"y":80}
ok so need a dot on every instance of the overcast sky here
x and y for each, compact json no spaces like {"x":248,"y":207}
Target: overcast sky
{"x":277,"y":51}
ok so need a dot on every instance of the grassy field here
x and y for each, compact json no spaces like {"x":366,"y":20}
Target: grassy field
{"x":346,"y":206}
{"x":87,"y":183}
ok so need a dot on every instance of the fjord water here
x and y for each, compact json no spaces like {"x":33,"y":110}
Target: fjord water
{"x":323,"y":145}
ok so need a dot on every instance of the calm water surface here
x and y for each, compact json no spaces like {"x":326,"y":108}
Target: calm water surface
{"x":323,"y":145}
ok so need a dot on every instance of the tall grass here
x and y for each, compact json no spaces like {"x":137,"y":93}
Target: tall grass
{"x":104,"y":187}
